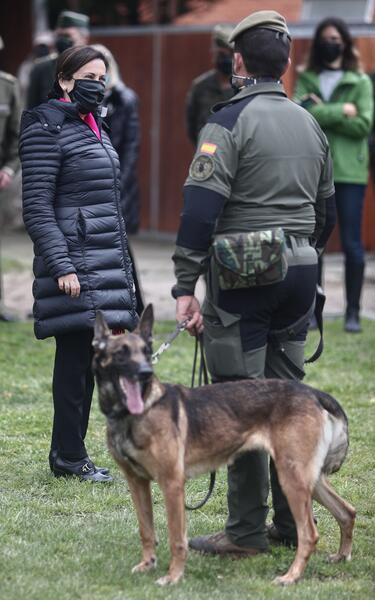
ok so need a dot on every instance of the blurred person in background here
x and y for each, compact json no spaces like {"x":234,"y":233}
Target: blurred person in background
{"x":42,"y":46}
{"x":72,"y":29}
{"x":339,"y":95}
{"x":123,"y":120}
{"x":212,"y":86}
{"x":71,"y":207}
{"x":10,"y":112}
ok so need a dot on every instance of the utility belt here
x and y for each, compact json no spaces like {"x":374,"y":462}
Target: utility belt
{"x":258,"y":258}
{"x":251,"y":259}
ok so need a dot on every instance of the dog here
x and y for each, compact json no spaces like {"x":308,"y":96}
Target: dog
{"x":170,"y":433}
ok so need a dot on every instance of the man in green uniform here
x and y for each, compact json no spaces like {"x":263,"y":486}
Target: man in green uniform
{"x":72,"y":29}
{"x":213,"y":86}
{"x":255,"y":202}
{"x":10,"y":113}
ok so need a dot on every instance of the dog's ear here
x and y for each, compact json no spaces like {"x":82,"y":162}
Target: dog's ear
{"x":146,"y":323}
{"x":101,"y":332}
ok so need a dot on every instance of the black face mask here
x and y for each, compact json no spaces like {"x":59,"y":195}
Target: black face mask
{"x":328,"y":52}
{"x":224,"y":64}
{"x":88,"y":94}
{"x":63,"y":42}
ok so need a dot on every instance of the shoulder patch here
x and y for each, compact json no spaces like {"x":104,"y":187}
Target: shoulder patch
{"x":202,"y":167}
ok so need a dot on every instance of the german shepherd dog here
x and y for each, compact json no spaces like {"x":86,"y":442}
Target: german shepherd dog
{"x":169,"y":433}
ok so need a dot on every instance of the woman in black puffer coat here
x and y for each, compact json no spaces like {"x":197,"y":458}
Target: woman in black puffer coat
{"x":71,"y":194}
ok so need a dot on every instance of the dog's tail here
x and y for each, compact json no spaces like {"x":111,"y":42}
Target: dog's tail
{"x":338,"y":423}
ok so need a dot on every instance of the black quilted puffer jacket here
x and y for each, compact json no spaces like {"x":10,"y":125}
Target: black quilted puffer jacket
{"x":71,"y":193}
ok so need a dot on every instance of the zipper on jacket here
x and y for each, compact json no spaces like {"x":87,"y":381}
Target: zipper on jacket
{"x":122,"y":231}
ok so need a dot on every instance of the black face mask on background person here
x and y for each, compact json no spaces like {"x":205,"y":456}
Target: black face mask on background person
{"x":63,"y":42}
{"x":328,"y":52}
{"x":88,"y":94}
{"x":224,"y":64}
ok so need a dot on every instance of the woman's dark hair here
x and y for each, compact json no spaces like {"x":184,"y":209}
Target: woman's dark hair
{"x":69,"y":62}
{"x":350,"y":57}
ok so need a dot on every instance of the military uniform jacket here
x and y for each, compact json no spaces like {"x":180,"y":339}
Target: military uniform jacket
{"x":71,"y":210}
{"x":261,"y":162}
{"x":10,"y":113}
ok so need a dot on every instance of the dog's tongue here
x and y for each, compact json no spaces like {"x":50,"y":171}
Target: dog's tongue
{"x":132,"y":390}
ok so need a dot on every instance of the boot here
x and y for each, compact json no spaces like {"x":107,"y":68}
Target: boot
{"x":354,"y":281}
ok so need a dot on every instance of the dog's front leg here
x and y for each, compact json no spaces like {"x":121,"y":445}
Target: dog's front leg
{"x":173,"y":489}
{"x":140,"y":490}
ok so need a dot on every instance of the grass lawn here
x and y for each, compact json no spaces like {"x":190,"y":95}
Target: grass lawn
{"x":64,"y":540}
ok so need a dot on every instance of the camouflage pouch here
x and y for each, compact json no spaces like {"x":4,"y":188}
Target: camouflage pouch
{"x":250,"y":259}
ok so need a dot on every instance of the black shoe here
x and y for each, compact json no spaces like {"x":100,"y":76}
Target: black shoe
{"x":81,"y":469}
{"x":352,"y":324}
{"x":53,"y":454}
{"x":275,"y":537}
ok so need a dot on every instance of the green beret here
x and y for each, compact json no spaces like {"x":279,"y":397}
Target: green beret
{"x":266,"y":19}
{"x":221,"y":34}
{"x":68,"y":18}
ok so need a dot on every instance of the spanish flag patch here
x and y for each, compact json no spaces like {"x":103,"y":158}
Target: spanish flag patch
{"x":208,"y":148}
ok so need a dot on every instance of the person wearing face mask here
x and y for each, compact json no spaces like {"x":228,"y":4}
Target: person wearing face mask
{"x":256,"y":192}
{"x":72,"y":212}
{"x":339,"y":95}
{"x":212,"y":86}
{"x":72,"y":29}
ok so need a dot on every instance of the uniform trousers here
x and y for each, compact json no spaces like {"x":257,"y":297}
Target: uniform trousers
{"x":260,"y":310}
{"x":72,"y":388}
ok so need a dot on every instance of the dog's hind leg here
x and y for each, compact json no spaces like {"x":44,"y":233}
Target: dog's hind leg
{"x":298,"y":494}
{"x":172,"y":486}
{"x":140,"y":490}
{"x":342,"y":511}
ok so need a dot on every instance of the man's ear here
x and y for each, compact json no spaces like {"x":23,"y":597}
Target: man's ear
{"x":101,"y":332}
{"x":146,"y":323}
{"x":238,"y":64}
{"x":287,"y":66}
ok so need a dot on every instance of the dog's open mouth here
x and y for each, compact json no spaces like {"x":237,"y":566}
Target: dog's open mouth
{"x":132,"y":391}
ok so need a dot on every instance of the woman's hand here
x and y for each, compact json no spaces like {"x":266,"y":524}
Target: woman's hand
{"x":70,"y":285}
{"x":349,"y":109}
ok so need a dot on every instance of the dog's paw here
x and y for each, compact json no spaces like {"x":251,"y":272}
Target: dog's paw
{"x":145,"y":565}
{"x":284,"y":580}
{"x":168,"y":580}
{"x":335,"y":558}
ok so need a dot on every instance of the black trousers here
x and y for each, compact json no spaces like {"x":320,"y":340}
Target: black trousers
{"x":72,"y":388}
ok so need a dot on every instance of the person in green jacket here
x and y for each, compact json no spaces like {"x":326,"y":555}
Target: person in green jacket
{"x":339,"y":95}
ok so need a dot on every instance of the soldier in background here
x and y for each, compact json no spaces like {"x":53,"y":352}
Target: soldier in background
{"x":10,"y":113}
{"x":72,"y":29}
{"x":213,"y":86}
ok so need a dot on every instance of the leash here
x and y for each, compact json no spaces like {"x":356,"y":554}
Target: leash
{"x":171,"y":337}
{"x":202,"y":378}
